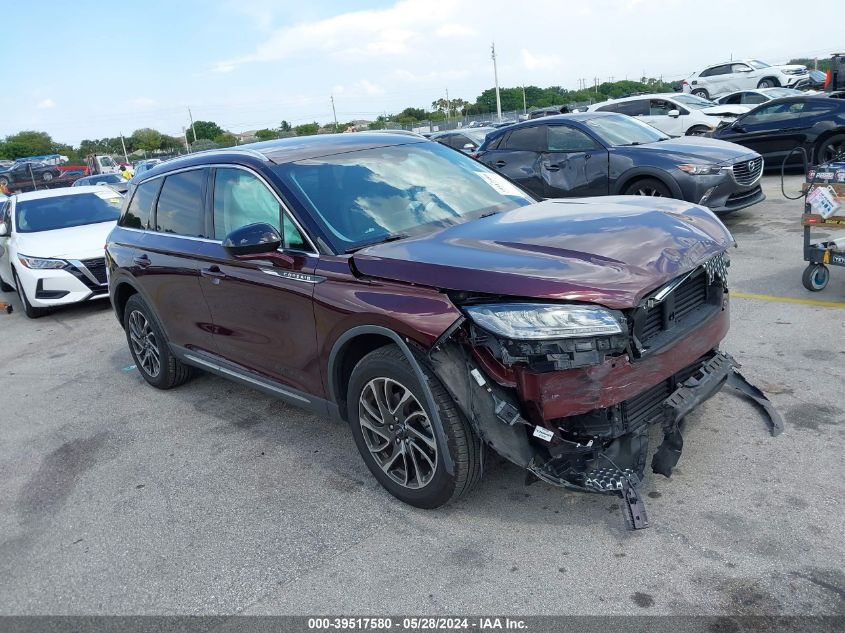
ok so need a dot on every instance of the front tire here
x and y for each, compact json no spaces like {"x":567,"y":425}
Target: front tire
{"x":28,"y":309}
{"x":648,"y":187}
{"x":768,"y":83}
{"x":403,"y":445}
{"x":698,"y":130}
{"x":47,"y":176}
{"x":701,"y":92}
{"x":149,"y":348}
{"x":815,"y":277}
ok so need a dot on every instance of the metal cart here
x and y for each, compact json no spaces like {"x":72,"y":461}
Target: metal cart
{"x":820,"y":255}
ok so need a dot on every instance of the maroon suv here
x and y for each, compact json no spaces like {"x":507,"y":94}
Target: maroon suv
{"x":432,"y":304}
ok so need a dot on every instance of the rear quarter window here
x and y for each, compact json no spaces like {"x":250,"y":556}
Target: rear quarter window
{"x":181,"y":208}
{"x":139,"y":213}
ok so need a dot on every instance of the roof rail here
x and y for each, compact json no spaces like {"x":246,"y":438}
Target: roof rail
{"x":223,"y":150}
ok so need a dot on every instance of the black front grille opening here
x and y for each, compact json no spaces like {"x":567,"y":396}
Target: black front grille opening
{"x":742,"y":196}
{"x":693,"y":293}
{"x":96,"y":267}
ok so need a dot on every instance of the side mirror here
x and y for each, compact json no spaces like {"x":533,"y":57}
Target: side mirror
{"x":469,"y":147}
{"x":674,"y":113}
{"x":253,"y":239}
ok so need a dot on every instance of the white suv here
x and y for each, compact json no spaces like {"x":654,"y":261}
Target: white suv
{"x":674,"y":114}
{"x":720,"y":79}
{"x":52,"y":245}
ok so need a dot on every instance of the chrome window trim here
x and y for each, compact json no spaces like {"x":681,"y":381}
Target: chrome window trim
{"x":281,"y":202}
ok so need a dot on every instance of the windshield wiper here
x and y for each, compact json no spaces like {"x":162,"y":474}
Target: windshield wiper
{"x":392,"y":237}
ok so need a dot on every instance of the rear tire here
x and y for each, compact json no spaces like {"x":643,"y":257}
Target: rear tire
{"x":830,"y":148}
{"x":768,"y":82}
{"x":31,"y":312}
{"x":648,"y":187}
{"x":149,"y":347}
{"x":403,"y":440}
{"x":698,"y":130}
{"x":701,"y":92}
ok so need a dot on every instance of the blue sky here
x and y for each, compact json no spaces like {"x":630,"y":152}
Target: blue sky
{"x":87,"y":69}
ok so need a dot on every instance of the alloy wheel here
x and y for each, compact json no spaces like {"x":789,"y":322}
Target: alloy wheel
{"x":144,"y":344}
{"x":832,"y":151}
{"x":648,"y":191}
{"x":398,"y":432}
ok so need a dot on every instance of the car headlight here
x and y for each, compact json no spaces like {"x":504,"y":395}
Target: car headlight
{"x":41,"y":263}
{"x":522,"y":321}
{"x":701,"y":170}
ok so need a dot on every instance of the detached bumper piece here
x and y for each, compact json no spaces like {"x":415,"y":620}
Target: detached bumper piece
{"x":617,"y":466}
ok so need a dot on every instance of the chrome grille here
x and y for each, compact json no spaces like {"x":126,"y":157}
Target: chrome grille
{"x":748,"y":171}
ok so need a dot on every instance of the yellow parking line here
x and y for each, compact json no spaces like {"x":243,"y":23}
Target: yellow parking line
{"x":805,"y":302}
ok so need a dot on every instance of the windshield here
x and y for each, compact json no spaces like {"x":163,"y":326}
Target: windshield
{"x":61,"y":212}
{"x":619,"y":129}
{"x":477,"y":135}
{"x":693,"y":102}
{"x":758,"y":64}
{"x":372,"y":195}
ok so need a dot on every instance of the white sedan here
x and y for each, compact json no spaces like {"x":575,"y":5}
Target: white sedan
{"x":52,"y":245}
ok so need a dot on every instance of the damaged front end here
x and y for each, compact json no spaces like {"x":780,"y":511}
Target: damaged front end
{"x":576,"y":410}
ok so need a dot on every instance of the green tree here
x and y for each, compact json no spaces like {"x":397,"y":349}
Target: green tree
{"x":266,"y":134}
{"x":27,"y":143}
{"x":285,"y":127}
{"x":146,"y":139}
{"x":226,"y":139}
{"x":204,"y":130}
{"x":170,"y":143}
{"x":307,"y":128}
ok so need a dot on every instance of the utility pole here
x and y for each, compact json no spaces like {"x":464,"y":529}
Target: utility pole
{"x":334,"y":113}
{"x":191,"y":116}
{"x":524,"y":103}
{"x":125,"y":155}
{"x":187,"y":144}
{"x":448,"y":104}
{"x":496,"y":79}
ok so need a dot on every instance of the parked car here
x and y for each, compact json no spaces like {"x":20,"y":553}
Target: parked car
{"x":745,"y":74}
{"x":777,"y":128}
{"x":23,"y":173}
{"x":466,"y":139}
{"x":756,"y":97}
{"x":51,"y":245}
{"x":145,"y":165}
{"x":602,"y":153}
{"x":672,"y":113}
{"x":435,"y":306}
{"x":6,"y":163}
{"x":539,"y":113}
{"x":113,"y":181}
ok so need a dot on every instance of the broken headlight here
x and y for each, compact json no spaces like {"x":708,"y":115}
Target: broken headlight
{"x":535,"y":321}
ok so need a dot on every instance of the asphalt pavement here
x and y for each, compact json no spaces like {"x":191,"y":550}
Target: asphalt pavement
{"x":212,"y":498}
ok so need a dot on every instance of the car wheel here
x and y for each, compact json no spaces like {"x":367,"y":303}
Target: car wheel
{"x":701,"y":92}
{"x":403,"y":445}
{"x":767,"y":83}
{"x":815,"y":277}
{"x":149,"y":347}
{"x":648,"y":187}
{"x":47,"y":176}
{"x":31,"y":312}
{"x":4,"y":182}
{"x":5,"y":287}
{"x":831,"y":148}
{"x":698,"y":130}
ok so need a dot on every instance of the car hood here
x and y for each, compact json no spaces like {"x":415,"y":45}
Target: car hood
{"x":610,"y":250}
{"x":725,"y":110}
{"x":690,"y":149}
{"x":76,"y":242}
{"x":791,"y":67}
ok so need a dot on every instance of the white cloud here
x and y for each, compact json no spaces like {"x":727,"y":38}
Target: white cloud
{"x":142,"y":103}
{"x":455,"y":30}
{"x":46,"y":104}
{"x":352,"y":37}
{"x":533,"y":61}
{"x":369,"y":88}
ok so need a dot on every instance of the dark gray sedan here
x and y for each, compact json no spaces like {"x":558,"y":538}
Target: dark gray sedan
{"x":601,"y":153}
{"x":115,"y":181}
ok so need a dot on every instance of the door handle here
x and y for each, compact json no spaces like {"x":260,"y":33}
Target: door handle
{"x":142,"y":261}
{"x":214,"y":272}
{"x":500,"y":163}
{"x":550,"y":167}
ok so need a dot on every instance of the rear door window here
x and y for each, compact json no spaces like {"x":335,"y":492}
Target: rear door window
{"x":139,"y":213}
{"x":181,"y":208}
{"x":724,"y":69}
{"x":531,"y":139}
{"x":637,"y":107}
{"x":565,"y":139}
